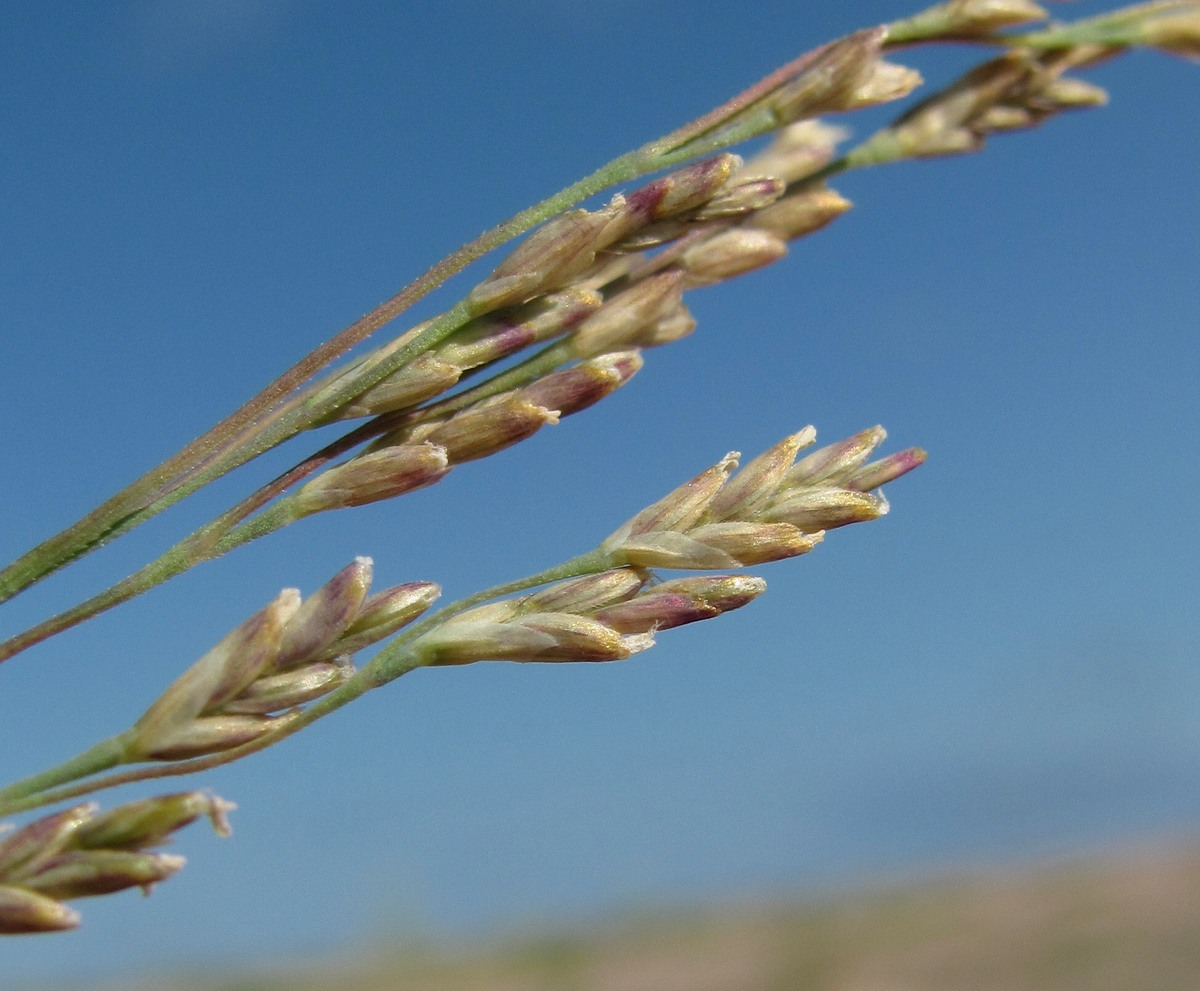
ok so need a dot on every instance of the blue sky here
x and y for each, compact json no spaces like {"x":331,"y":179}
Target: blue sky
{"x":1005,"y":667}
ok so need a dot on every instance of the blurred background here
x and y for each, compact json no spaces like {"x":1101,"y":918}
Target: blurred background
{"x":1001,"y":672}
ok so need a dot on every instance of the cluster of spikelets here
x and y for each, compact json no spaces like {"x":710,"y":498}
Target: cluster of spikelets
{"x":291,"y":652}
{"x":774,"y":508}
{"x":294,"y":651}
{"x":596,"y":287}
{"x":599,"y":298}
{"x":81,"y":852}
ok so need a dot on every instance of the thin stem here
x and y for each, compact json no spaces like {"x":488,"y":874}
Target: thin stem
{"x":180,"y":475}
{"x":208,"y":542}
{"x":108,"y":753}
{"x":227,"y":445}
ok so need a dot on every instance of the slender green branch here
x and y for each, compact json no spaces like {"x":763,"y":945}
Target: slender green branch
{"x":210,"y":541}
{"x":104,"y":755}
{"x":226,"y":447}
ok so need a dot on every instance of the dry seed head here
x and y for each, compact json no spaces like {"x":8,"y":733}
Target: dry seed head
{"x":938,"y":144}
{"x":285,"y":656}
{"x":210,"y":734}
{"x":982,"y":16}
{"x":425,"y":377}
{"x":872,"y":476}
{"x":1007,"y":93}
{"x":1065,"y":93}
{"x":817,"y":509}
{"x":681,"y":601}
{"x":1170,"y":25}
{"x":577,"y":638}
{"x":968,"y":18}
{"x":324,"y":615}
{"x":380,"y":473}
{"x":723,"y":592}
{"x":493,"y":612}
{"x":496,"y":336}
{"x":681,"y":508}
{"x":577,"y":388}
{"x":220,"y":675}
{"x":150,"y":821}
{"x":989,"y":14}
{"x":1173,"y":28}
{"x":801,"y":213}
{"x":382,"y":615}
{"x":657,"y":610}
{"x":621,"y":319}
{"x":730,"y":253}
{"x":652,"y":236}
{"x":684,"y":190}
{"x":297,"y":686}
{"x":755,"y":484}
{"x":666,"y":329}
{"x":886,"y":82}
{"x":742,"y":197}
{"x":23,"y":911}
{"x":366,"y":364}
{"x":245,"y":655}
{"x":82,"y":873}
{"x":829,"y":82}
{"x":546,"y":260}
{"x":583,"y":595}
{"x":490,"y":426}
{"x":848,"y":75}
{"x":23,"y":851}
{"x":669,"y":549}
{"x":998,"y":119}
{"x":76,"y":853}
{"x":942,"y":124}
{"x":751,"y":543}
{"x":835,"y":461}
{"x":480,"y":341}
{"x":467,"y":642}
{"x":538,"y":637}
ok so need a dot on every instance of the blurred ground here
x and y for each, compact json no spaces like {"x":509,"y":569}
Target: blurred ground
{"x":1129,"y":922}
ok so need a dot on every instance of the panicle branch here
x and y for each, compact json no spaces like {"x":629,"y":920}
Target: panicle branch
{"x":605,"y":617}
{"x":774,"y":508}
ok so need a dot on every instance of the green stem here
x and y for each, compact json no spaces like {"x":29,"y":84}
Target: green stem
{"x":227,"y":447}
{"x":210,"y":541}
{"x":104,"y":755}
{"x":169,"y":483}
